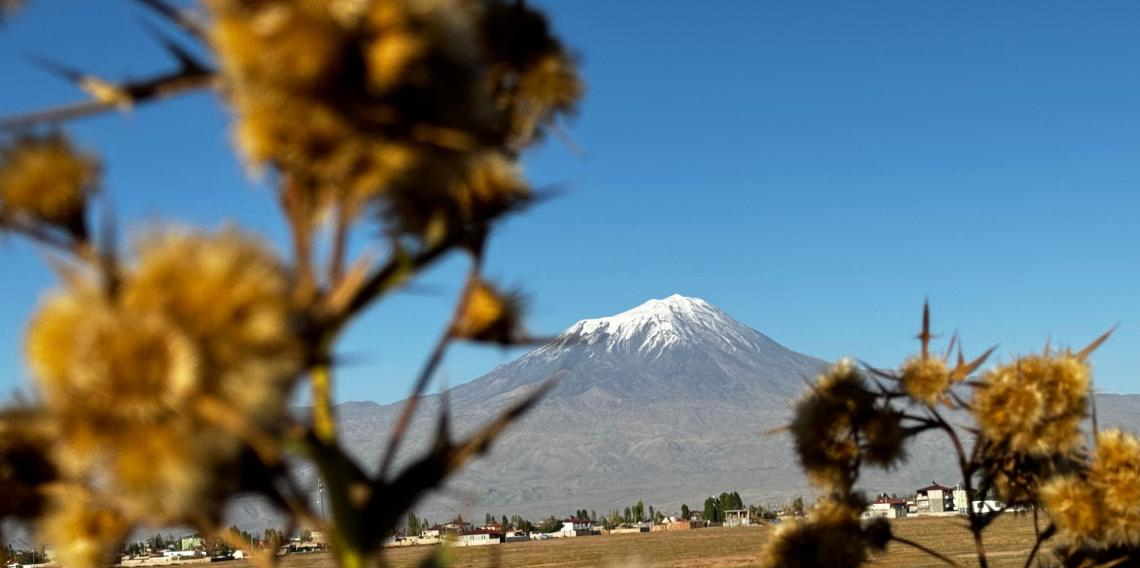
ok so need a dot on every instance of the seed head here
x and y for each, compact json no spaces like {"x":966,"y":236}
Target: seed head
{"x":46,"y":180}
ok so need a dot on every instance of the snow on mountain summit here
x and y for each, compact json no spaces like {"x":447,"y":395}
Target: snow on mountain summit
{"x":659,"y":324}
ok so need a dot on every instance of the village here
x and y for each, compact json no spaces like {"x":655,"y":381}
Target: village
{"x":724,"y":511}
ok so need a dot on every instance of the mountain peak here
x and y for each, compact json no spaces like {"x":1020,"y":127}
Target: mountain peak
{"x":661,"y":323}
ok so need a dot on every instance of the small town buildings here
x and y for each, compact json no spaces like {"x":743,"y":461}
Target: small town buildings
{"x":737,"y":518}
{"x":458,"y":526}
{"x":574,"y":526}
{"x":479,"y":537}
{"x":934,"y":499}
{"x":190,"y":543}
{"x":887,"y":508}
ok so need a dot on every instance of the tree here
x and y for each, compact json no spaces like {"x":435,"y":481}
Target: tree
{"x":685,"y":511}
{"x":798,"y":505}
{"x":504,"y":522}
{"x":737,"y":502}
{"x":652,"y":516}
{"x":550,"y":524}
{"x":639,"y":511}
{"x":628,"y":516}
{"x":414,"y":527}
{"x":659,"y":517}
{"x":712,"y":510}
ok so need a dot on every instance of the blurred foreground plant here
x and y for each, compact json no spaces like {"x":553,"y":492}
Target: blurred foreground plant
{"x":398,"y":117}
{"x":1025,"y":445}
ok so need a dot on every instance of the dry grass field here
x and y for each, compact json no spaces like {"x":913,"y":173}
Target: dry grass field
{"x":1008,"y":542}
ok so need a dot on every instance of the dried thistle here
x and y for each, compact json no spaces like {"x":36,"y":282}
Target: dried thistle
{"x":1034,"y":404}
{"x":830,"y":423}
{"x":45,"y":180}
{"x":490,"y":315}
{"x":832,"y":537}
{"x":925,"y":379}
{"x":85,"y":531}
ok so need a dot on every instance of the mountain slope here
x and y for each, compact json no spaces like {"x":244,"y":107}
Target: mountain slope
{"x":667,"y":402}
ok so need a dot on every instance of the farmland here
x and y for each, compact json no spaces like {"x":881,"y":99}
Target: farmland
{"x":1008,"y":542}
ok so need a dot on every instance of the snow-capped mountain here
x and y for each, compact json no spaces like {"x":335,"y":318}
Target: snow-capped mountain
{"x":668,"y":402}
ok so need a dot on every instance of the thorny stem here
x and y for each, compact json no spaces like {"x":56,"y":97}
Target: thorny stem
{"x":432,"y":363}
{"x":164,"y":86}
{"x":409,"y":409}
{"x":929,"y":551}
{"x":339,"y":244}
{"x":1041,"y":537}
{"x":965,"y":464}
{"x":324,"y":426}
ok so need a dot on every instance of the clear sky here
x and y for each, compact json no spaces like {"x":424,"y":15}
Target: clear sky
{"x":815,"y":169}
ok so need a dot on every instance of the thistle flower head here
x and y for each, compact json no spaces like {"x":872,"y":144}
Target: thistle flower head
{"x":1075,"y":507}
{"x":456,"y":194}
{"x":1115,"y":473}
{"x":830,"y":422}
{"x":25,"y":464}
{"x":925,"y":379}
{"x":490,"y":315}
{"x":46,"y":180}
{"x":230,"y":296}
{"x":1035,"y":404}
{"x":440,"y":92}
{"x":831,"y":538}
{"x":884,"y":438}
{"x":86,"y":533}
{"x":1007,"y":409}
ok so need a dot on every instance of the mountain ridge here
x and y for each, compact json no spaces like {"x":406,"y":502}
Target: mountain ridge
{"x":668,"y":402}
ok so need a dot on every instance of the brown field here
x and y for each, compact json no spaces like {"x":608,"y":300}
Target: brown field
{"x":1008,"y":542}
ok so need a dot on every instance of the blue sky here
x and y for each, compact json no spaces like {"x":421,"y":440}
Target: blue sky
{"x":815,"y":169}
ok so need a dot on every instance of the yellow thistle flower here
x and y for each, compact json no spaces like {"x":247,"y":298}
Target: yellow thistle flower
{"x":85,"y":533}
{"x":89,"y":356}
{"x":831,"y":538}
{"x":884,"y":438}
{"x":926,"y":379}
{"x":1007,"y":409}
{"x":47,"y":180}
{"x":165,"y":471}
{"x":830,"y":420}
{"x":1075,"y":506}
{"x":1035,"y":403}
{"x":1062,"y":379}
{"x":298,"y":44}
{"x":489,"y":315}
{"x":1115,"y":470}
{"x":231,"y":297}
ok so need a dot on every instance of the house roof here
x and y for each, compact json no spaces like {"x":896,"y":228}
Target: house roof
{"x":890,"y":501}
{"x":482,"y":531}
{"x":935,"y":486}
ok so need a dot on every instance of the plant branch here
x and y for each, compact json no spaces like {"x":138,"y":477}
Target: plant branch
{"x":324,"y":425}
{"x":1041,"y":538}
{"x":160,"y":87}
{"x":967,"y":469}
{"x":428,"y":370}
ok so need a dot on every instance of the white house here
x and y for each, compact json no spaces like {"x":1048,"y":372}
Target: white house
{"x":478,"y":537}
{"x":574,"y":526}
{"x":179,"y":553}
{"x":886,"y":508}
{"x":934,"y":498}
